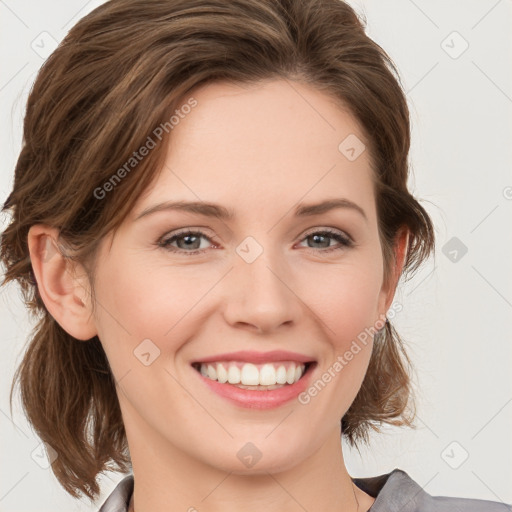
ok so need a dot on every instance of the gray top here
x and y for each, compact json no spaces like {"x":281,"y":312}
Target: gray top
{"x":394,"y":492}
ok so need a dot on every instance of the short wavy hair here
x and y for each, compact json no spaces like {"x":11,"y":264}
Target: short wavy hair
{"x":118,"y":74}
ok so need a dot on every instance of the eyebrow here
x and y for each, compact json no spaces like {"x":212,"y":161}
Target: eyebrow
{"x":220,"y":212}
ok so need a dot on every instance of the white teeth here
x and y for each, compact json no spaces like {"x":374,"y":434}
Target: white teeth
{"x":248,"y":374}
{"x":212,"y":372}
{"x":222,"y":374}
{"x":281,"y":375}
{"x":233,"y":374}
{"x":267,"y":375}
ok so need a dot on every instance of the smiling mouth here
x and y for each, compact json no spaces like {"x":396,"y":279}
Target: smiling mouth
{"x":244,"y":375}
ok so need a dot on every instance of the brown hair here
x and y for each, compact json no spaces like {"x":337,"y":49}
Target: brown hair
{"x":118,"y":74}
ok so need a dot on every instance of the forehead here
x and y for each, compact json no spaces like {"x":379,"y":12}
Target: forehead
{"x":260,"y":145}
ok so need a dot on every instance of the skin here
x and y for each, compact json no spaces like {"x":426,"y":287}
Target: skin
{"x":260,"y":150}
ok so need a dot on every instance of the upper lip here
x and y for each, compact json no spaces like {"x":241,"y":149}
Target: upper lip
{"x":257,"y":357}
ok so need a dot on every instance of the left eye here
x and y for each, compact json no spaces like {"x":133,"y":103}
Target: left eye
{"x":343,"y":240}
{"x":186,"y":240}
{"x":192,"y":240}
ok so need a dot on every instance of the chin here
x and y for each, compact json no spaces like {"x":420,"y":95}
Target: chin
{"x":249,"y":460}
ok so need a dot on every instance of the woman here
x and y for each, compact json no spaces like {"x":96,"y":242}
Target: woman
{"x":210,"y":212}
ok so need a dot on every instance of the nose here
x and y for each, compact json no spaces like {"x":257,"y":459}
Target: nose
{"x":260,"y":295}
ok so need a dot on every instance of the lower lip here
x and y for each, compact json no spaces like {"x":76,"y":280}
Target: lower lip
{"x":254,"y":399}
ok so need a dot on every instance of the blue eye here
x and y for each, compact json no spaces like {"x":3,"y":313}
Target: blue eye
{"x":188,"y":239}
{"x":343,"y":241}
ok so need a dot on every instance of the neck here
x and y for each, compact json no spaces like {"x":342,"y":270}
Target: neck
{"x":167,"y":478}
{"x":367,"y":504}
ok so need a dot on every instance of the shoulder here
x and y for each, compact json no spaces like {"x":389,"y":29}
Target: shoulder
{"x":398,"y":492}
{"x":120,"y":497}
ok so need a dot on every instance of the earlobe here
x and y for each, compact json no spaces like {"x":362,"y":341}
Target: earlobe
{"x":65,"y":295}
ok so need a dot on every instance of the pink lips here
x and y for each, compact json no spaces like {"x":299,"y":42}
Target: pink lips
{"x":258,"y":399}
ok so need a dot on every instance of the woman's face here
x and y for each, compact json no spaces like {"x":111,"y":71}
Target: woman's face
{"x":262,"y":281}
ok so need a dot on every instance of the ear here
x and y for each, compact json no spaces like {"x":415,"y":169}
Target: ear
{"x":388,"y":288}
{"x":65,"y":294}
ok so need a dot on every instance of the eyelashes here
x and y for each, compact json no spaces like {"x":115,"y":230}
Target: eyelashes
{"x":193,"y":237}
{"x":197,"y":235}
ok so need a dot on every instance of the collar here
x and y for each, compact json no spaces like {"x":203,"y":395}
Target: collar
{"x":393,"y":492}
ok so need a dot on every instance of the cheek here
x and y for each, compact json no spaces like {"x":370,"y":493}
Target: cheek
{"x":141,"y":322}
{"x":136,"y":303}
{"x":346,"y":299}
{"x":348,"y":310}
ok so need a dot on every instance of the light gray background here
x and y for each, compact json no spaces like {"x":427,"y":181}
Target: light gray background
{"x":456,"y":316}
